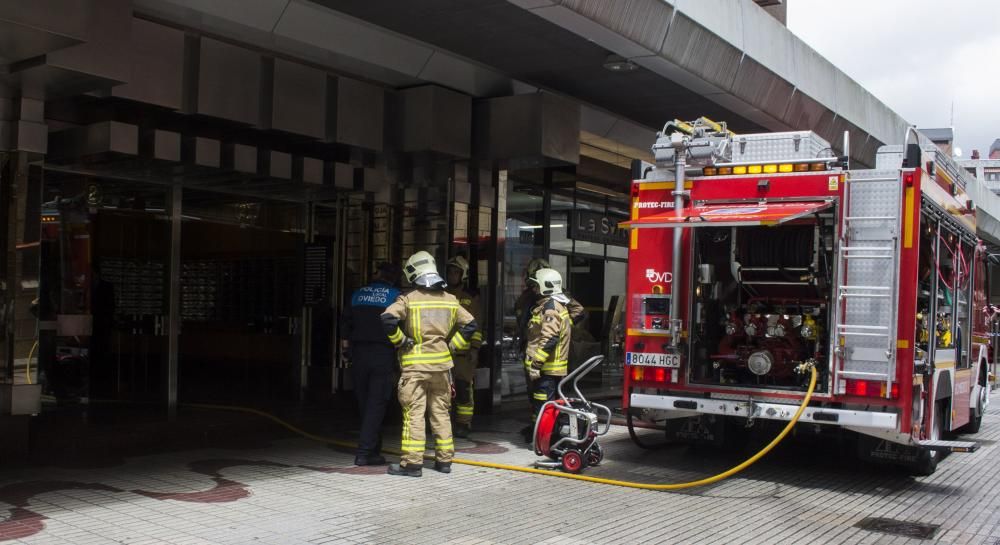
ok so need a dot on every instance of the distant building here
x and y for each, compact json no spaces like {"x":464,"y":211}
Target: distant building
{"x":986,"y":170}
{"x":944,"y":138}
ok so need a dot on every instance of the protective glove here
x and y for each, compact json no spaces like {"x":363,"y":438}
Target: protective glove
{"x":534,"y":374}
{"x":407,"y":344}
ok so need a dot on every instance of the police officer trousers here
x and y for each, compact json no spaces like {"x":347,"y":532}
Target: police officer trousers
{"x":420,"y":393}
{"x":465,"y":393}
{"x":372,"y":371}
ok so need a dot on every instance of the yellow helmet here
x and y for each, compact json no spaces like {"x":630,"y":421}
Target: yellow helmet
{"x":462,"y":264}
{"x":535,"y":264}
{"x":419,"y":264}
{"x":549,"y":281}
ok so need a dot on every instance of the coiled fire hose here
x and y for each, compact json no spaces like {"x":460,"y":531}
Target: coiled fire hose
{"x":508,"y":467}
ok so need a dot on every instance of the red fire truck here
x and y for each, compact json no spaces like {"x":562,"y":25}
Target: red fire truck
{"x":751,"y":255}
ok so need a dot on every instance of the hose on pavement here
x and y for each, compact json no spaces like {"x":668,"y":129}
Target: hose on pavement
{"x":548,"y":472}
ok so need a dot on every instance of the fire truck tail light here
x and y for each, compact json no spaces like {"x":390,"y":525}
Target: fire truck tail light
{"x":801,"y":167}
{"x":637,"y":374}
{"x":908,"y":178}
{"x":770,"y":169}
{"x":785,"y":168}
{"x":739,"y":170}
{"x":869,"y":388}
{"x":660,"y":374}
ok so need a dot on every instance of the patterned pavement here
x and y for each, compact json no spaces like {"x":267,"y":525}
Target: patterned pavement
{"x":293,"y":491}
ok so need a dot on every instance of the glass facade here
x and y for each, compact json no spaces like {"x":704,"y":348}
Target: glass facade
{"x":575,"y":231}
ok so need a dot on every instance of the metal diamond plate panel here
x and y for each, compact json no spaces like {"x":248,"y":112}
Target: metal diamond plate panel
{"x":869,"y":257}
{"x":780,"y":146}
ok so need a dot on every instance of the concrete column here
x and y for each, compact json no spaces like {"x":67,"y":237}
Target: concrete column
{"x":19,"y":396}
{"x":174,"y":207}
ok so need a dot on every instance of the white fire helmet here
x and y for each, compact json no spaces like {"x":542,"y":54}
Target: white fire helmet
{"x":549,"y":281}
{"x":418,"y":265}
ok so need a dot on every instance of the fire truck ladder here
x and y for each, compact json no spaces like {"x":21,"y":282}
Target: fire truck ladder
{"x":867,"y":268}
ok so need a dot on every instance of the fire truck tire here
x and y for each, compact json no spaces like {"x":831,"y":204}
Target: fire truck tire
{"x":927,"y":462}
{"x":982,"y":400}
{"x":976,"y":413}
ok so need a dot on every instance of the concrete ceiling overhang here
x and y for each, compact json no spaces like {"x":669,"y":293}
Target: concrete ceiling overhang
{"x":301,"y":30}
{"x":726,"y":59}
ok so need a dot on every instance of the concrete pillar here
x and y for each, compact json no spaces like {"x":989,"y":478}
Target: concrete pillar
{"x":19,"y":232}
{"x":175,"y":205}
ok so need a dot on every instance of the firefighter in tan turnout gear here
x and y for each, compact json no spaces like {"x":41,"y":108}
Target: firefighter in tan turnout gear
{"x":549,"y":331}
{"x":466,"y":363}
{"x":527,"y":301}
{"x":427,"y":324}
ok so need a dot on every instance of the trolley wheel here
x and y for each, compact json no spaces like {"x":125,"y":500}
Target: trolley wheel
{"x":595,"y":455}
{"x":572,"y":461}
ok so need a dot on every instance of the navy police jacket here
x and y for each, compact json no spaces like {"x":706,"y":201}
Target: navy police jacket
{"x":362,"y":322}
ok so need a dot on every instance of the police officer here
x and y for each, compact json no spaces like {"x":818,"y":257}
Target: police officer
{"x":465,"y":364}
{"x":428,"y":324}
{"x":549,"y":333}
{"x":372,"y":356}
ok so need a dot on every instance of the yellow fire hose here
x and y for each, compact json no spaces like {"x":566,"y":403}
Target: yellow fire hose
{"x":628,"y":484}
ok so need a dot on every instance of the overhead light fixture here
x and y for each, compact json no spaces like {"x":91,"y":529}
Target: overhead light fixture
{"x":617,"y":63}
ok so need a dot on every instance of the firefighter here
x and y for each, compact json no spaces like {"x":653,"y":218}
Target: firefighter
{"x":428,"y":324}
{"x":372,"y":357}
{"x":528,"y":298}
{"x":549,"y":332}
{"x":465,"y":364}
{"x":522,"y":309}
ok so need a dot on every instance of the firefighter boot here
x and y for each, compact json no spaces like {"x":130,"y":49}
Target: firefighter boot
{"x":443,"y":467}
{"x":404,"y":470}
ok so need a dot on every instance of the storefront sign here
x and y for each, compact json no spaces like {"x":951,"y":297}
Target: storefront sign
{"x":596,"y":227}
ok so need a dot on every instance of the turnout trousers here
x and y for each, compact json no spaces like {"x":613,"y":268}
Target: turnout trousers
{"x":420,"y":393}
{"x":465,"y":393}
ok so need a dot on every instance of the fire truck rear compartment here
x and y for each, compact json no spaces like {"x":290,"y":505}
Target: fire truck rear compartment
{"x":760,"y":304}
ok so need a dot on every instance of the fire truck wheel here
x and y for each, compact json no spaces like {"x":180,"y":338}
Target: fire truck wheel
{"x":595,"y":455}
{"x":927,"y":462}
{"x":572,"y":461}
{"x":976,"y":413}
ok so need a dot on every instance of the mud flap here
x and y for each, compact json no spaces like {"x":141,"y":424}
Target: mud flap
{"x":881,"y":451}
{"x":705,"y":429}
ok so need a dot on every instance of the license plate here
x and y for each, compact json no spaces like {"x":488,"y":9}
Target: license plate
{"x":653,"y":360}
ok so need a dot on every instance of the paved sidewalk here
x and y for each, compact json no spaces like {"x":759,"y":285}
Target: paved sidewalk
{"x":295,"y":491}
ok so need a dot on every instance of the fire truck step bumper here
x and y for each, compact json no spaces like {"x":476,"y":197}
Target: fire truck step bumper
{"x":949,"y":446}
{"x":765,"y":410}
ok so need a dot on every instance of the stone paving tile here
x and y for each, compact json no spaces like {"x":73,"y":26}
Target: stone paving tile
{"x":298,"y":492}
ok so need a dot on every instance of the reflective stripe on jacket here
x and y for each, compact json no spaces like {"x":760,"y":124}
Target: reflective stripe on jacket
{"x":470,"y":303}
{"x":436,"y":323}
{"x":549,"y":331}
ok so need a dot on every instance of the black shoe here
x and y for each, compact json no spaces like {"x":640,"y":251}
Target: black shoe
{"x":375,"y":460}
{"x":462,"y":430}
{"x":405,"y":471}
{"x":442,"y":467}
